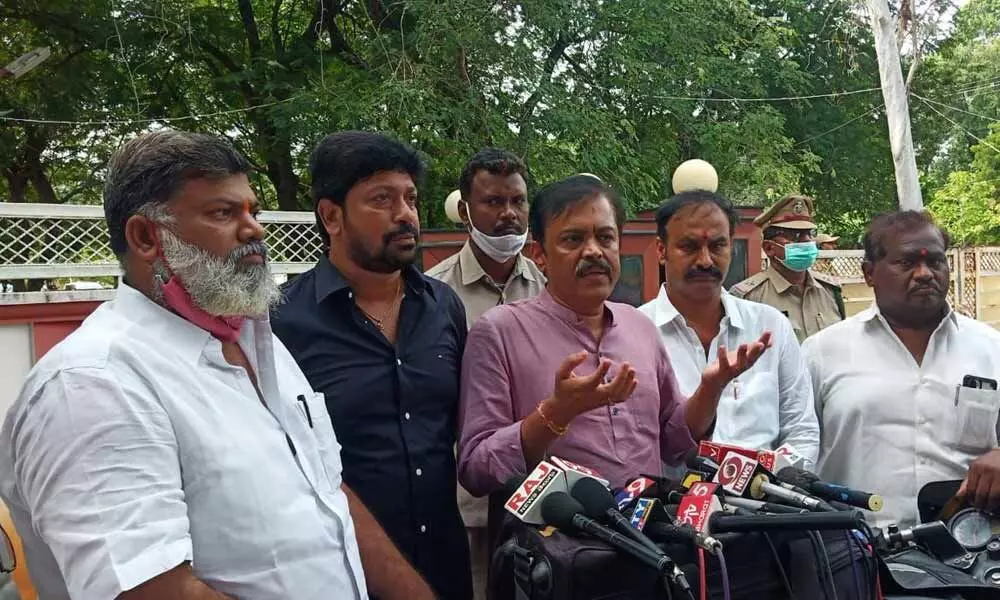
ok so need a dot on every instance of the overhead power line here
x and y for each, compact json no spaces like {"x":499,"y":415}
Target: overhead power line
{"x":954,"y":108}
{"x":147,"y":121}
{"x":106,"y":122}
{"x":966,"y":131}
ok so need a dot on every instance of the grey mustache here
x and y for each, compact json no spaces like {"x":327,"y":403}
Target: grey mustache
{"x":249,"y":249}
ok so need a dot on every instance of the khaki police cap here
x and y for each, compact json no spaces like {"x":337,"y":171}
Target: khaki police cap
{"x":791,"y":212}
{"x":825,"y":238}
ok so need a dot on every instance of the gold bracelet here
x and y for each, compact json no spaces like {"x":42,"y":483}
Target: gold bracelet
{"x":559,"y":431}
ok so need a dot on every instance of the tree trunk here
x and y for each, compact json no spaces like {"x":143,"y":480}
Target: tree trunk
{"x":40,"y":181}
{"x":282,"y":175}
{"x":17,"y":184}
{"x":280,"y":167}
{"x":897,"y":108}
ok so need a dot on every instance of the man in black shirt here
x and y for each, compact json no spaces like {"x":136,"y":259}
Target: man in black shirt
{"x":384,"y":344}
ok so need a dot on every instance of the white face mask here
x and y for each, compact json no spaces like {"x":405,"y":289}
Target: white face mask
{"x":500,"y":248}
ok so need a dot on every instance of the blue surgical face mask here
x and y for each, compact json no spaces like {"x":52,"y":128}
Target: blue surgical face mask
{"x":800,"y":256}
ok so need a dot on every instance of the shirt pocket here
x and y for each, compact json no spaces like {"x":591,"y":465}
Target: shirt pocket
{"x":800,"y":333}
{"x":326,"y":439}
{"x":976,"y":414}
{"x":822,"y":322}
{"x":753,"y":408}
{"x":635,"y":423}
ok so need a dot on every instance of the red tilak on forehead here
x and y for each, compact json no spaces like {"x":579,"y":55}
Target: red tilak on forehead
{"x":704,"y":237}
{"x":923,"y":252}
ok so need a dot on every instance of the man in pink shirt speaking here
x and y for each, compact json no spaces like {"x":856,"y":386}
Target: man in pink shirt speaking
{"x":570,"y":373}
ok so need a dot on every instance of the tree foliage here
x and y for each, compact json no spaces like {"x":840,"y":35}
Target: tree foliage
{"x":968,"y":204}
{"x":625,"y":88}
{"x":957,"y":110}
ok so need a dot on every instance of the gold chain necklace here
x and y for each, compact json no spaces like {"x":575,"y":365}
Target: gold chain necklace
{"x":380,"y":323}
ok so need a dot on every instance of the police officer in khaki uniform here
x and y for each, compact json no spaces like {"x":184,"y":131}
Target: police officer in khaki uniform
{"x":811,"y":300}
{"x":826,"y":241}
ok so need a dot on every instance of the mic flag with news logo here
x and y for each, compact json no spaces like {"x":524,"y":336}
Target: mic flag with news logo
{"x":575,"y":472}
{"x":698,"y":505}
{"x":552,"y":475}
{"x":735,"y":473}
{"x":526,"y":502}
{"x":791,"y":456}
{"x":643,"y":509}
{"x":633,"y":490}
{"x":771,"y":460}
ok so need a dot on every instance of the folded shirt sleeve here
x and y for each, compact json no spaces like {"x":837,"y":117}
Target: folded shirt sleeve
{"x":97,"y":465}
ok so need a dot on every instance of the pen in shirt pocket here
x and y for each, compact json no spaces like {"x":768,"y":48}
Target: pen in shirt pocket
{"x":305,"y":406}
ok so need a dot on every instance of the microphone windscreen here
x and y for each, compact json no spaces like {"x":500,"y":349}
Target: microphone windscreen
{"x":701,"y":463}
{"x":559,"y":508}
{"x":595,"y":498}
{"x":797,"y":477}
{"x":510,"y":486}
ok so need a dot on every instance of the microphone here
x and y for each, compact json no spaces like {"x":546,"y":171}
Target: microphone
{"x":772,"y":460}
{"x":703,"y":464}
{"x":637,"y":488}
{"x":643,"y":512}
{"x":735,"y":473}
{"x":510,"y":486}
{"x":810,"y":521}
{"x":740,"y":475}
{"x":758,"y":506}
{"x":830,"y":491}
{"x":790,"y":455}
{"x":598,"y":503}
{"x":698,"y":505}
{"x":657,"y":522}
{"x":575,"y":472}
{"x":561,"y":510}
{"x":761,"y":486}
{"x":693,"y":476}
{"x":526,"y":501}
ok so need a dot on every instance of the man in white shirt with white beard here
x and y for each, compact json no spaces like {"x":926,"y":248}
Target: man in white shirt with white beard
{"x":891,"y":382}
{"x":170,"y":447}
{"x":770,"y":404}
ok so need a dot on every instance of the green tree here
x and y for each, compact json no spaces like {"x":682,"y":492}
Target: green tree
{"x":45,"y":162}
{"x":957,"y":96}
{"x":968,"y":204}
{"x":626,"y":89}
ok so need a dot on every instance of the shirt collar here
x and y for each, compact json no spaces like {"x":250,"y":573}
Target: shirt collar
{"x":665,"y":311}
{"x":567,"y":314}
{"x":184,"y":337}
{"x":873,"y":312}
{"x":472,"y":271}
{"x":329,"y":279}
{"x":731,"y":306}
{"x":781,"y":284}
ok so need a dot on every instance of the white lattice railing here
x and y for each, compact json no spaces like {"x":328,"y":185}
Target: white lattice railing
{"x":970,"y":267}
{"x":47,"y":241}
